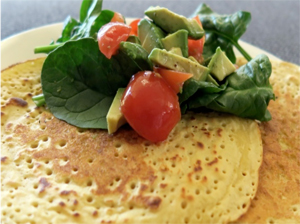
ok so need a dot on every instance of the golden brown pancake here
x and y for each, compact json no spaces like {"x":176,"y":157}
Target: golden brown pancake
{"x":206,"y":171}
{"x":278,"y":195}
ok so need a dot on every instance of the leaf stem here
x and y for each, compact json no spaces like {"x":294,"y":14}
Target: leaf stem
{"x":39,"y":100}
{"x":46,"y":49}
{"x":242,"y":51}
{"x":234,"y":42}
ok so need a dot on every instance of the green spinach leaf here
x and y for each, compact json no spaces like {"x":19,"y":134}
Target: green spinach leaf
{"x":89,"y":8}
{"x":191,"y":86}
{"x":223,"y":31}
{"x":92,"y":18}
{"x":138,"y":55}
{"x":247,"y":94}
{"x":79,"y":82}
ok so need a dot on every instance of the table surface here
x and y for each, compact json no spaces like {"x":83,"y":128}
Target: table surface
{"x":275,"y":25}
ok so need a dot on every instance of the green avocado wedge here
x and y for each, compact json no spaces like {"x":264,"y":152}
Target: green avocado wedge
{"x":172,"y":22}
{"x":150,"y":35}
{"x":220,"y":66}
{"x":177,"y":39}
{"x":115,"y":119}
{"x":175,"y":62}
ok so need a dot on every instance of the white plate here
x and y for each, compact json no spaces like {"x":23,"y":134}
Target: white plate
{"x":19,"y":48}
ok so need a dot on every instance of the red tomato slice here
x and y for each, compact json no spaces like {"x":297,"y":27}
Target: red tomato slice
{"x":110,"y":36}
{"x":196,"y":46}
{"x":117,"y":18}
{"x":150,"y":106}
{"x":134,"y":26}
{"x":174,"y":78}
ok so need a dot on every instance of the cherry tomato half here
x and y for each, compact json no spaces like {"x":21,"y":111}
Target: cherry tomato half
{"x":175,"y":79}
{"x":196,"y":46}
{"x":117,"y":18}
{"x":150,"y":106}
{"x":134,"y":26}
{"x":110,"y":36}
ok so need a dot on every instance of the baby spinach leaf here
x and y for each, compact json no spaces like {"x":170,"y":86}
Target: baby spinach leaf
{"x":138,"y":55}
{"x":79,"y":82}
{"x":247,"y":95}
{"x":191,"y":86}
{"x":105,"y":17}
{"x":90,"y":8}
{"x":92,"y":18}
{"x":69,"y":26}
{"x":223,"y":31}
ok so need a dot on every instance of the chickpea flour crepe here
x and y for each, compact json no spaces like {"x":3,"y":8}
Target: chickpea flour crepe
{"x":207,"y":171}
{"x":52,"y":172}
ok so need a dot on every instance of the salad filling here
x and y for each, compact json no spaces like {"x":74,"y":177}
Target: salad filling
{"x":165,"y":65}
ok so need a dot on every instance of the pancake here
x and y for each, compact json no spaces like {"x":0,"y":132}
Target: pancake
{"x":278,"y":195}
{"x":207,"y":171}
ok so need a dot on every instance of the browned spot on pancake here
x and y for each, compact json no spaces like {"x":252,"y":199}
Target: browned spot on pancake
{"x":95,"y":213}
{"x":149,"y":201}
{"x":212,"y":162}
{"x":216,"y":169}
{"x":43,"y":181}
{"x":62,"y":204}
{"x":219,"y":131}
{"x":174,"y":158}
{"x":2,"y":114}
{"x":80,"y":147}
{"x":75,"y":202}
{"x":204,"y":179}
{"x":63,"y":193}
{"x":207,"y":133}
{"x":197,"y":166}
{"x":4,"y":159}
{"x":214,"y":152}
{"x":76,"y":214}
{"x":14,"y":101}
{"x":143,"y":187}
{"x":163,"y":185}
{"x":104,"y":221}
{"x":185,"y":196}
{"x":190,"y":176}
{"x":200,"y":145}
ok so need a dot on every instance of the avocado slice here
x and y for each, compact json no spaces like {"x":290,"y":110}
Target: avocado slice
{"x":133,"y":39}
{"x":178,"y":63}
{"x":172,"y":22}
{"x":209,"y":77}
{"x":220,"y":66}
{"x":150,"y":35}
{"x":177,"y":39}
{"x":212,"y":80}
{"x":137,"y":53}
{"x":176,"y":50}
{"x":114,"y":117}
{"x":193,"y":59}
